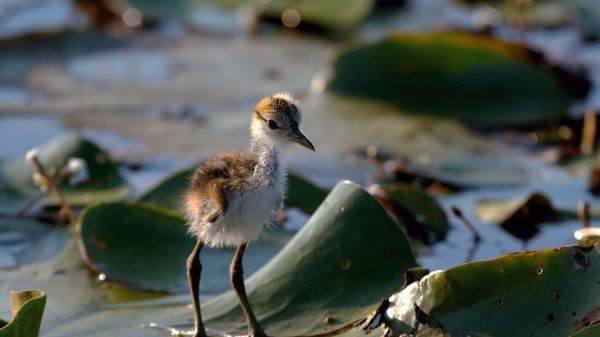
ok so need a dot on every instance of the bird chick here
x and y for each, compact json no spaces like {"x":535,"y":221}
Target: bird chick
{"x":232,"y":195}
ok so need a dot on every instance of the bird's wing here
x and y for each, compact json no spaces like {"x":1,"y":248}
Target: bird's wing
{"x":216,"y":177}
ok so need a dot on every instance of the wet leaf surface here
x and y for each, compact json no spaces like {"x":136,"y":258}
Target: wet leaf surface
{"x":541,"y":293}
{"x":433,"y":73}
{"x":28,"y":309}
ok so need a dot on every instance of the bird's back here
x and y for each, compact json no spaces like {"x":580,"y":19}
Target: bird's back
{"x":233,"y":169}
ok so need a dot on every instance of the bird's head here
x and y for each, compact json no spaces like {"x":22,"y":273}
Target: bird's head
{"x":276,"y":119}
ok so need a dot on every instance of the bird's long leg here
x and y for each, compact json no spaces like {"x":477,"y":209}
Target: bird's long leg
{"x":194,"y":269}
{"x":237,"y":282}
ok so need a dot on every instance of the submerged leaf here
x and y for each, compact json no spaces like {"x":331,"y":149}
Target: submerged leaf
{"x":27,"y":308}
{"x":543,"y":293}
{"x":103,"y":183}
{"x":478,"y":79}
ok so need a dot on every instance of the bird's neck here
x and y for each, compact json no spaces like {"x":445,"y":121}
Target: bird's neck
{"x":269,"y":167}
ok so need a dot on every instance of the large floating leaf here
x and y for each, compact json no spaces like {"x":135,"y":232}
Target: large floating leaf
{"x":169,"y":192}
{"x":340,"y":264}
{"x":145,"y":247}
{"x":477,"y":79}
{"x":104,"y":183}
{"x":137,"y":245}
{"x":550,"y":292}
{"x":347,"y":257}
{"x":27,"y":309}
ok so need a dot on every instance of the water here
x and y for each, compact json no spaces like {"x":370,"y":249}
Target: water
{"x":21,"y":17}
{"x":143,"y":67}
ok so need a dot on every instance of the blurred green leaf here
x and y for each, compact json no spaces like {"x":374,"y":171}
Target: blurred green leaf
{"x":330,"y":14}
{"x":519,"y":216}
{"x":28,"y":309}
{"x":168,"y":193}
{"x":420,"y":214}
{"x":542,"y":293}
{"x":477,"y":79}
{"x":303,"y":194}
{"x":104,"y":183}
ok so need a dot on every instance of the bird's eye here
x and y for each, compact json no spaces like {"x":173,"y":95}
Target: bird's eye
{"x":272,"y":124}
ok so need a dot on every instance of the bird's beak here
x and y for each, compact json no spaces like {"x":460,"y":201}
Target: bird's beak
{"x":297,"y":137}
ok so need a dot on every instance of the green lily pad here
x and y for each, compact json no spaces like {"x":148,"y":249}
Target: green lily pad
{"x":477,"y":79}
{"x":419,"y":213}
{"x":339,"y":265}
{"x":121,"y":241}
{"x":104,"y":182}
{"x":550,"y":292}
{"x":137,"y":245}
{"x":475,"y":171}
{"x":28,"y":309}
{"x":168,"y":193}
{"x":519,"y":216}
{"x":303,"y":194}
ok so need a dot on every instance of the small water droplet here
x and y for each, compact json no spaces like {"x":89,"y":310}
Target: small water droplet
{"x":539,"y":270}
{"x":500,"y":301}
{"x":102,"y":277}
